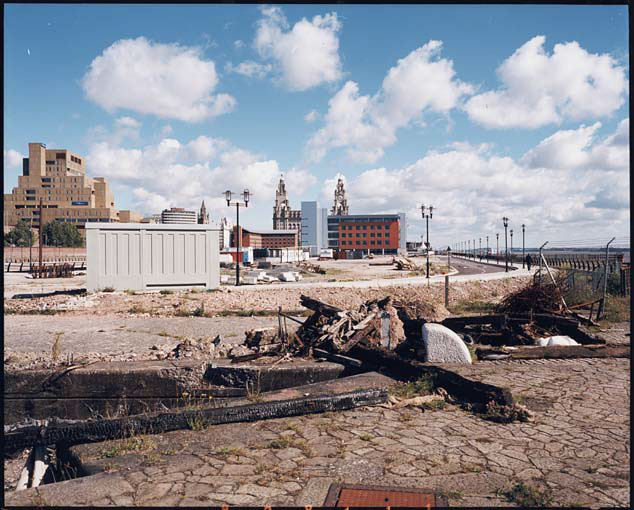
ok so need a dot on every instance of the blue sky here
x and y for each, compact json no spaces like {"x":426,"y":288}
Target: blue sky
{"x":482,"y":111}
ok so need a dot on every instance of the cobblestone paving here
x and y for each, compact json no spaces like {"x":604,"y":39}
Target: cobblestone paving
{"x":577,"y":448}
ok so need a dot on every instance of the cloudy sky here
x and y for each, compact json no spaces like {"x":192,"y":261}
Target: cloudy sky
{"x":480,"y":111}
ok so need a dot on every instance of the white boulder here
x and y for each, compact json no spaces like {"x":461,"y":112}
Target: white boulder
{"x":248,"y":280}
{"x":558,"y":340}
{"x":224,"y":278}
{"x":443,"y":345}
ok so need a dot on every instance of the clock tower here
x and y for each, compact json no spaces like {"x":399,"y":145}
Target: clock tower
{"x":340,"y":207}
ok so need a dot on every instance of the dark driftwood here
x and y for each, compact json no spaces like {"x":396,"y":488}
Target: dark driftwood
{"x":337,"y":358}
{"x":460,"y":322}
{"x":462,"y":389}
{"x":318,"y":306}
{"x":103,"y":430}
{"x":360,"y":335}
{"x":572,"y":351}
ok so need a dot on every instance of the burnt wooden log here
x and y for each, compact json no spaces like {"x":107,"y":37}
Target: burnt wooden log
{"x":461,"y":389}
{"x":104,"y":430}
{"x":318,"y":306}
{"x":572,"y":351}
{"x":498,"y":320}
{"x":338,"y":358}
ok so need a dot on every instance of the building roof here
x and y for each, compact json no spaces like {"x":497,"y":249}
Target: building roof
{"x":354,"y":217}
{"x":260,"y":231}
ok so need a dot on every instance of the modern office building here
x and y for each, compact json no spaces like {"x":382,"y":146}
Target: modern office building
{"x":352,"y":236}
{"x":266,"y":238}
{"x":313,"y":227}
{"x":58,"y":178}
{"x":285,"y":218}
{"x":178,"y":215}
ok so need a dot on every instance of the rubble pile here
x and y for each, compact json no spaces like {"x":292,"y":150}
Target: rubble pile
{"x":311,"y":268}
{"x":405,"y":264}
{"x":200,"y":348}
{"x":332,"y":329}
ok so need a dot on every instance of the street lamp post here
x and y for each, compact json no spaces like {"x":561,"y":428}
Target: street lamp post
{"x":448,"y":259}
{"x":487,"y":255}
{"x":505,"y":220}
{"x":245,"y":195}
{"x":480,"y":249}
{"x":474,"y":250}
{"x":427,"y":217}
{"x":468,"y":247}
{"x":497,"y":248}
{"x":511,"y":245}
{"x":523,"y":256}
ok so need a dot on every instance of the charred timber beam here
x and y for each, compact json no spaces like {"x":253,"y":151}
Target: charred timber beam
{"x":460,"y":388}
{"x":459,"y":322}
{"x":104,"y":430}
{"x":338,"y":358}
{"x":318,"y":306}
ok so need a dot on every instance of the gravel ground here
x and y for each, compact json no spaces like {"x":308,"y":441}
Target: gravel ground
{"x":29,"y":343}
{"x":227,"y":300}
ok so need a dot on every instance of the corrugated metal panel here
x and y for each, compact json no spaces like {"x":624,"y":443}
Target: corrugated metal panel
{"x":141,"y":256}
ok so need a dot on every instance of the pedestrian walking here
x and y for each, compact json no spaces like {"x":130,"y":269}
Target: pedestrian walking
{"x":528,"y":261}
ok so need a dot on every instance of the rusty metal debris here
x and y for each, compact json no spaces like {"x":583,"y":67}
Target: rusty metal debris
{"x":350,"y":496}
{"x":53,"y":271}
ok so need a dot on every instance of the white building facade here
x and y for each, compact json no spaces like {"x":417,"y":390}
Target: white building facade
{"x":314,"y":227}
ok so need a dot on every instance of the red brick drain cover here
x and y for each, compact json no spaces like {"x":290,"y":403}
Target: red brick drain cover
{"x":343,"y":495}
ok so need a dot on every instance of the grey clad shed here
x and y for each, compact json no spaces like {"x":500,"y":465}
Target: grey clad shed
{"x":142,"y":256}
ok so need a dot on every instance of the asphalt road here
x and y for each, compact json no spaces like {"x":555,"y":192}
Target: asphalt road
{"x":465,"y":266}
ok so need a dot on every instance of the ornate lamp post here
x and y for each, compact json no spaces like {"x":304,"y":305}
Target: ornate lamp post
{"x":497,"y":248}
{"x":505,"y":220}
{"x":245,"y":195}
{"x":511,"y":256}
{"x":487,"y":253}
{"x":523,"y":256}
{"x":427,"y":217}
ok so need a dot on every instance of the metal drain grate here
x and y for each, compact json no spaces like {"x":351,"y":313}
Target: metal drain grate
{"x":343,"y":495}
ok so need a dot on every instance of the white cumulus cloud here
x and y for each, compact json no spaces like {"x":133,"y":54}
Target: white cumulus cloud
{"x":581,"y":186}
{"x":12,"y":158}
{"x":540,"y":89}
{"x":174,"y":173}
{"x":311,"y":116}
{"x":305,"y":55}
{"x":166,"y":80}
{"x":366,"y":125}
{"x":249,"y":68}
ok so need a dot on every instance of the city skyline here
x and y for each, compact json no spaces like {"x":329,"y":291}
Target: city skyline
{"x":529,"y":122}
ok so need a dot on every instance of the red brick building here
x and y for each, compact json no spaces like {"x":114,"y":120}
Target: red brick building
{"x":352,"y":236}
{"x":266,"y":238}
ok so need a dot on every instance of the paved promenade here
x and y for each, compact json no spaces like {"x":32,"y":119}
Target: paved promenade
{"x":577,"y":449}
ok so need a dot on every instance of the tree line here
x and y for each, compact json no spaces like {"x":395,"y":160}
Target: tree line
{"x":55,"y":233}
